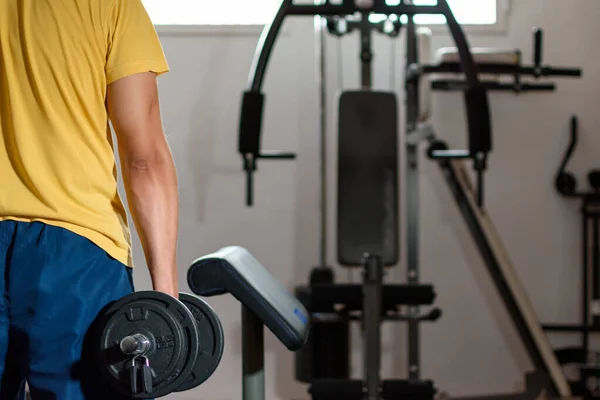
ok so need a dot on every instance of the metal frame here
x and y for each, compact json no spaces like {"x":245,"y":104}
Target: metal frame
{"x":415,"y":133}
{"x":581,"y":355}
{"x":288,"y":8}
{"x":470,"y":202}
{"x":468,"y":67}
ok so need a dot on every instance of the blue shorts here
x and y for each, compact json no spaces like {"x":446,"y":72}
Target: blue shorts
{"x":53,"y":285}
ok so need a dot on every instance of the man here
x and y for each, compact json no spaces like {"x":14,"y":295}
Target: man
{"x":66,"y":66}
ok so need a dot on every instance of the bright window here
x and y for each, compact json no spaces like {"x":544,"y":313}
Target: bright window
{"x":468,"y":12}
{"x":260,"y":12}
{"x":211,"y":12}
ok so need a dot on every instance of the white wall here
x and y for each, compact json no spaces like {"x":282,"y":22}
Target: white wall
{"x":473,"y":348}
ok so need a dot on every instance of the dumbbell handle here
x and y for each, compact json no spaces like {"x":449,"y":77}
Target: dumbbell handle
{"x":136,"y":345}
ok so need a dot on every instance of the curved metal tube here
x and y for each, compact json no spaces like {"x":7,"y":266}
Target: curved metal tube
{"x":271,"y":32}
{"x":265,"y":47}
{"x":572,"y":144}
{"x":466,"y":58}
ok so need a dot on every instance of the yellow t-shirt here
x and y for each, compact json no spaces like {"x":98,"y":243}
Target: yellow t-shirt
{"x":57,"y":161}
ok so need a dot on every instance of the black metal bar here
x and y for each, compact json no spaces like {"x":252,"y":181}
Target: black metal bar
{"x":591,"y":213}
{"x":585,"y":274}
{"x":538,"y":37}
{"x":265,"y":47}
{"x":595,"y":273}
{"x":331,"y":9}
{"x":518,"y":78}
{"x":372,"y":295}
{"x":480,"y":188}
{"x":451,"y":85}
{"x":495,"y":270}
{"x":412,"y":85}
{"x":503,"y":69}
{"x":570,"y":328}
{"x":249,"y":187}
{"x":552,"y":71}
{"x":276,"y":155}
{"x":412,"y":197}
{"x":366,"y":52}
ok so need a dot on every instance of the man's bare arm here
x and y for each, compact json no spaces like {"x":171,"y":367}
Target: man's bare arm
{"x":149,"y":174}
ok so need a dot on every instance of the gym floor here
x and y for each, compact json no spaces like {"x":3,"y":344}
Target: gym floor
{"x":474,"y":348}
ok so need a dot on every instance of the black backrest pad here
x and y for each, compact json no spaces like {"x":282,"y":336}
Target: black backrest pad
{"x":367,"y":177}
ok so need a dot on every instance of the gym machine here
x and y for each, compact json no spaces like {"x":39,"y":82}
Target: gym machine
{"x":367,"y":196}
{"x":148,"y":344}
{"x":368,"y":217}
{"x":586,"y":361}
{"x":548,"y":377}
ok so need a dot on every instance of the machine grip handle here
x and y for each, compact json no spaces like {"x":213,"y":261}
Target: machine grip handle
{"x":276,"y":155}
{"x":251,"y":123}
{"x":249,"y":140}
{"x":566,"y":72}
{"x":249,"y":188}
{"x":538,"y":39}
{"x":565,"y":182}
{"x":478,"y":117}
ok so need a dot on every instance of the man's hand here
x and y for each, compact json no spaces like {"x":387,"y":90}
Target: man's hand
{"x":149,"y":174}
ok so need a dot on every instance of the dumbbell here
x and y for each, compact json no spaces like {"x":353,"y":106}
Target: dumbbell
{"x":151,"y":344}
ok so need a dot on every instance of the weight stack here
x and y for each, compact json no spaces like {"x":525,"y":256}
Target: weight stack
{"x":326,"y":354}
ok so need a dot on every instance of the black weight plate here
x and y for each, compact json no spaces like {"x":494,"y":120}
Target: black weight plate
{"x":171,"y":329}
{"x":210,"y":332}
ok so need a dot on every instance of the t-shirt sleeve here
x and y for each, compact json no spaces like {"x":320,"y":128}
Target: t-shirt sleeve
{"x":133,"y":43}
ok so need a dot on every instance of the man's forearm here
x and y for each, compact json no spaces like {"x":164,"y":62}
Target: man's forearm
{"x":149,"y":173}
{"x":152,"y":194}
